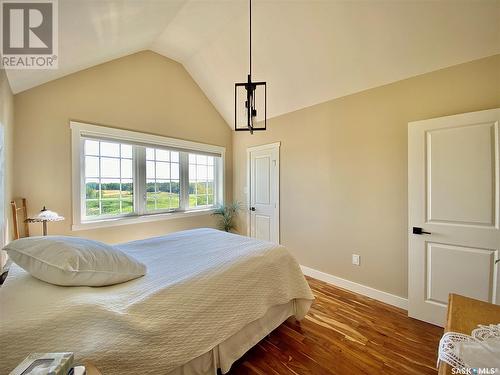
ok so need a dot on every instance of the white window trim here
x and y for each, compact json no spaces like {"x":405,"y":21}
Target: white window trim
{"x":79,"y":130}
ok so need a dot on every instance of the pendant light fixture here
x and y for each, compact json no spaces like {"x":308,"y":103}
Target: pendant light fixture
{"x":250,"y":109}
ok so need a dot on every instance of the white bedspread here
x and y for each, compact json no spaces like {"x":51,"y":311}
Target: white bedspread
{"x":202,"y":286}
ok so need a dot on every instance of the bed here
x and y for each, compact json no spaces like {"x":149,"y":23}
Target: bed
{"x":208,"y":296}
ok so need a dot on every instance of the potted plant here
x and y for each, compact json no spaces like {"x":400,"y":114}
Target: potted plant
{"x":226,"y":214}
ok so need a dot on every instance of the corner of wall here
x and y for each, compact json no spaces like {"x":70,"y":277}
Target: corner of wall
{"x":7,"y":129}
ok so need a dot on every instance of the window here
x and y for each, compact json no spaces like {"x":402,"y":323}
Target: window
{"x":162,"y":180}
{"x":121,"y":176}
{"x":109,"y":187}
{"x":201,"y":180}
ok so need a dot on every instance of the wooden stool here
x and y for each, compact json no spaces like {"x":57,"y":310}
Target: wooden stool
{"x":15,"y":220}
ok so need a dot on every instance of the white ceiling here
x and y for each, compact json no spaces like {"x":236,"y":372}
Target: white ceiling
{"x":307,"y":51}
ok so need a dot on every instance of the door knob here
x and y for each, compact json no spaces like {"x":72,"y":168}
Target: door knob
{"x":252,"y":208}
{"x":418,"y":230}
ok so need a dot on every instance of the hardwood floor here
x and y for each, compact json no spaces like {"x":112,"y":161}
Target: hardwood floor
{"x":345,"y":333}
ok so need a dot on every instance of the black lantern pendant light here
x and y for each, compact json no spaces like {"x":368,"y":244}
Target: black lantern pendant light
{"x":250,"y":109}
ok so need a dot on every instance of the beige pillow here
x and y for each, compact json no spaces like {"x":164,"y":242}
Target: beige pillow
{"x":74,"y":261}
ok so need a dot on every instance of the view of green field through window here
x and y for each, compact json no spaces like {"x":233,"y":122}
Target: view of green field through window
{"x":110,"y":179}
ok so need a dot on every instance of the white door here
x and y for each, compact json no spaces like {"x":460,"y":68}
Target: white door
{"x":263,"y":202}
{"x":453,"y":194}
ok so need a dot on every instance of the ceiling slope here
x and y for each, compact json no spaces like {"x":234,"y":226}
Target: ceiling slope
{"x":95,"y":31}
{"x":307,"y":51}
{"x":313,"y":51}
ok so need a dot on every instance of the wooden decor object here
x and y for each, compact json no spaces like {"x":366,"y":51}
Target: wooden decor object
{"x":15,"y":218}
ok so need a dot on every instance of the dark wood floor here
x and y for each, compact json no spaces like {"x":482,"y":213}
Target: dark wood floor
{"x":345,"y":333}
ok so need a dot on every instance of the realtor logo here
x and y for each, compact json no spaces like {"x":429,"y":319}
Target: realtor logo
{"x":29,"y":34}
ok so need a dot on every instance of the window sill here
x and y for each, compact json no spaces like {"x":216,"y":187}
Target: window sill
{"x":87,"y":225}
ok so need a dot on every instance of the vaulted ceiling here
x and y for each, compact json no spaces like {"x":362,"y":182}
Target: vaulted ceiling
{"x":307,"y":51}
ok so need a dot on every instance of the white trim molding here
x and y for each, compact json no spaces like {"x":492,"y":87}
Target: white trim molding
{"x":81,"y":131}
{"x":264,"y":147}
{"x":135,"y":219}
{"x":379,"y":295}
{"x":276,"y":148}
{"x":134,"y":137}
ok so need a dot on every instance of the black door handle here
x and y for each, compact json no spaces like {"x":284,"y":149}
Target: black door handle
{"x":252,"y":208}
{"x":418,"y":230}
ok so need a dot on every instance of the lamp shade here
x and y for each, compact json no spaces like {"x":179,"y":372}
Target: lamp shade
{"x":46,"y":215}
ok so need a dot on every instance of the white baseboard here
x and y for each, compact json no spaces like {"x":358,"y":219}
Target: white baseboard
{"x":367,"y":291}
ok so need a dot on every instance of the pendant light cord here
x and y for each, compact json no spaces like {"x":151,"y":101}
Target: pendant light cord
{"x":250,"y":37}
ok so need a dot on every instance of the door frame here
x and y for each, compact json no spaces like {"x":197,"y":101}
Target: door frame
{"x":419,"y":191}
{"x":274,"y":146}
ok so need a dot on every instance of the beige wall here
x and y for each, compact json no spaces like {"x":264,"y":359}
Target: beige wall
{"x":343,"y":162}
{"x":144,"y":92}
{"x":7,"y":126}
{"x":344,"y":170}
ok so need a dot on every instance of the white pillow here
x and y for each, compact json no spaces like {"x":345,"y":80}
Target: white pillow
{"x":74,"y":261}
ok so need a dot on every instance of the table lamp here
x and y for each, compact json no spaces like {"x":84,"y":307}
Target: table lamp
{"x":44,"y":216}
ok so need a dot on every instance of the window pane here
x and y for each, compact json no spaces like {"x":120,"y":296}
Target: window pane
{"x":201,"y":159}
{"x":192,"y":172}
{"x":91,"y":166}
{"x":164,"y":173}
{"x":109,"y":188}
{"x":174,"y":171}
{"x":201,"y":172}
{"x":127,"y":196}
{"x":175,"y":186}
{"x":201,"y":188}
{"x":91,"y":147}
{"x":150,"y":186}
{"x":92,"y":189}
{"x":127,"y":187}
{"x":192,"y":200}
{"x":110,"y":206}
{"x":110,"y":149}
{"x":201,"y":180}
{"x":163,"y":186}
{"x":174,"y":195}
{"x":126,"y":151}
{"x":126,"y":168}
{"x":92,"y":207}
{"x":174,"y":156}
{"x":162,"y":170}
{"x":110,"y":167}
{"x":150,"y":169}
{"x":163,"y":201}
{"x":162,"y":155}
{"x":174,"y":202}
{"x":202,"y":200}
{"x":110,"y":196}
{"x":127,"y":206}
{"x":150,"y":201}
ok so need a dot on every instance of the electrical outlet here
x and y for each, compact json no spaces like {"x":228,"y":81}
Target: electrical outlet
{"x":356,"y":259}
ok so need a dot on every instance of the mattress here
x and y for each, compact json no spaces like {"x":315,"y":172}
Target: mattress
{"x":202,"y":287}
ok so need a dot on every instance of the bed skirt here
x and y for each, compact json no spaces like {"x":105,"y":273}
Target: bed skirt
{"x":229,"y":351}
